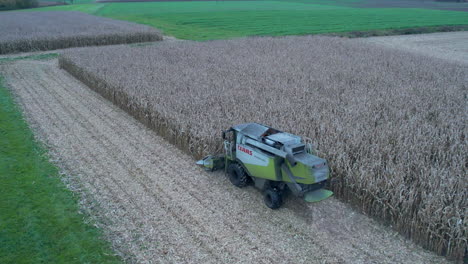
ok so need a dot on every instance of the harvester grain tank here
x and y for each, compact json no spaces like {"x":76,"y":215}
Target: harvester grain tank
{"x":274,"y":161}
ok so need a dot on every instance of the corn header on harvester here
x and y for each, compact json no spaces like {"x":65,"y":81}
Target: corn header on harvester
{"x":274,"y":161}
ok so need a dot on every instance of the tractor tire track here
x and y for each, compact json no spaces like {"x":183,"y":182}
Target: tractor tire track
{"x":91,"y":186}
{"x":130,"y":166}
{"x":111,"y":181}
{"x":110,"y":157}
{"x":155,"y":206}
{"x":86,"y":157}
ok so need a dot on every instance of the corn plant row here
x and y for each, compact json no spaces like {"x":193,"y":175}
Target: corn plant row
{"x":32,"y":31}
{"x":391,"y":124}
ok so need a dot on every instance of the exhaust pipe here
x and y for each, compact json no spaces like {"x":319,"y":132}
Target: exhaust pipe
{"x":291,"y":159}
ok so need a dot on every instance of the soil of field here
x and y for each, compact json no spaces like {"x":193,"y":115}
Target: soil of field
{"x":451,"y":46}
{"x":156,"y":206}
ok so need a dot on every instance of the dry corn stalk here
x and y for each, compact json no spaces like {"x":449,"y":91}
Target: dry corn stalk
{"x":30,"y":31}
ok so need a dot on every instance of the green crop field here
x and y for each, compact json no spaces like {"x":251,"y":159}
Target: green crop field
{"x":203,"y":20}
{"x":39,"y":219}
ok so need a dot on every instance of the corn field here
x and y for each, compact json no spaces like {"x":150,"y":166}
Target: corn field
{"x":391,"y":124}
{"x":32,"y":31}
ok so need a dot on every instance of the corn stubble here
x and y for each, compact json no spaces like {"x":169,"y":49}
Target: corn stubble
{"x":391,"y":124}
{"x":31,"y":31}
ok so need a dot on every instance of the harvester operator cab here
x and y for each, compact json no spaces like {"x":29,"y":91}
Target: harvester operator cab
{"x":229,"y":135}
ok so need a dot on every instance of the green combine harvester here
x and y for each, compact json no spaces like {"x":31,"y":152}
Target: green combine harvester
{"x":274,"y":161}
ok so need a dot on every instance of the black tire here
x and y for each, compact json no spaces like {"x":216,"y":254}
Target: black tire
{"x":237,"y":175}
{"x":273,"y":198}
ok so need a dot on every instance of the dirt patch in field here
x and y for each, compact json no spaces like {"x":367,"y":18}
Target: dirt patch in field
{"x":156,"y":206}
{"x":451,"y":46}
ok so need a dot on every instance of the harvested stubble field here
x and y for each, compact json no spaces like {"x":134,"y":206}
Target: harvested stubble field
{"x":448,"y":45}
{"x":30,"y":31}
{"x":155,"y":206}
{"x":392,"y":124}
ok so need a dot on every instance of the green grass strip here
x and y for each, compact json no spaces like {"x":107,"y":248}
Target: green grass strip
{"x":47,"y":56}
{"x":39,"y":219}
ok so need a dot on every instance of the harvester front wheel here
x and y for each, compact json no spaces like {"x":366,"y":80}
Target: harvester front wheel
{"x":273,"y":198}
{"x":237,"y":175}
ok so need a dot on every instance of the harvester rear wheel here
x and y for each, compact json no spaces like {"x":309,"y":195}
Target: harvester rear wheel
{"x":273,"y":198}
{"x":237,"y":175}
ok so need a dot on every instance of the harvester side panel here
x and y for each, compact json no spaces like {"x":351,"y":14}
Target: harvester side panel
{"x":258,"y":163}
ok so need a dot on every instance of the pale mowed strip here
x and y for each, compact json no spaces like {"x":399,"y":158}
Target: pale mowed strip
{"x":451,"y":46}
{"x":156,"y":206}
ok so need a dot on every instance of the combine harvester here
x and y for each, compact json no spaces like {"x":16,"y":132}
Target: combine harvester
{"x":274,"y":160}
